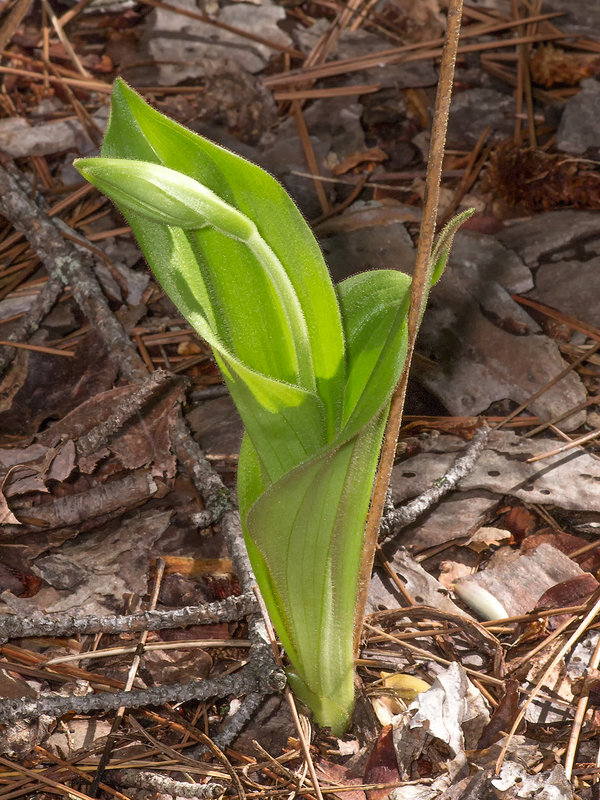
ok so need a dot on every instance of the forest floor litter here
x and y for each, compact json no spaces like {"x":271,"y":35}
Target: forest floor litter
{"x":122,"y":567}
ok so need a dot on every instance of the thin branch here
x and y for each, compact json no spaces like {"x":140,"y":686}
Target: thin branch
{"x":395,"y":519}
{"x":582,"y":705}
{"x":62,"y":624}
{"x":162,"y":784}
{"x":418,"y":296}
{"x":131,"y":676}
{"x":122,"y":412}
{"x":214,"y":493}
{"x":64,"y":261}
{"x":244,"y":682}
{"x":581,"y":628}
{"x":31,"y":320}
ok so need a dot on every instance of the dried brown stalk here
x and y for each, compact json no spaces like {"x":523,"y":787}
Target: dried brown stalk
{"x":418,"y":294}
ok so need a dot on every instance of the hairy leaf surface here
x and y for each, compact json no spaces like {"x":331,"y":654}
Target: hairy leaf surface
{"x":311,"y":368}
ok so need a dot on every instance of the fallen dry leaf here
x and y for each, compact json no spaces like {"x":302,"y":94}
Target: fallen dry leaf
{"x":382,"y":766}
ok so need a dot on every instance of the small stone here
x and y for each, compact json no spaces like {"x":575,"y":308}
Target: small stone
{"x":565,"y":284}
{"x":370,"y":247}
{"x":473,"y":110}
{"x":578,"y":129}
{"x":549,"y":235}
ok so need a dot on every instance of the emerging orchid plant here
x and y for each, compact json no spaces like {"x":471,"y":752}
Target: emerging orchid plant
{"x":310,"y":366}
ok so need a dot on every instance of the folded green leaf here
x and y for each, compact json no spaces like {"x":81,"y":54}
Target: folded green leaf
{"x":310,"y":367}
{"x":136,"y":131}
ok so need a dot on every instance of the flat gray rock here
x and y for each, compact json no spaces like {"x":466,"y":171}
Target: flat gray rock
{"x":581,"y":17}
{"x":187,"y":42}
{"x":455,"y":516}
{"x":370,"y":247}
{"x":579,"y":124}
{"x":217,"y":426}
{"x":486,"y":348}
{"x":546,"y":237}
{"x":473,"y":110}
{"x":19,"y":139}
{"x":571,"y":286}
{"x":422,"y":586}
{"x":570,"y":480}
{"x":354,"y":44}
{"x":482,"y":258}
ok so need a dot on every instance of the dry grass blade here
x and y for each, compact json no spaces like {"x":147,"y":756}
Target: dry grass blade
{"x":59,"y":788}
{"x":64,"y":39}
{"x":91,"y":85}
{"x":582,"y":705}
{"x":17,"y":13}
{"x":581,"y":628}
{"x":309,"y":154}
{"x":568,"y":446}
{"x":567,"y":319}
{"x":38,"y":348}
{"x":410,"y":52}
{"x":335,"y":91}
{"x":253,"y":37}
{"x":473,"y":167}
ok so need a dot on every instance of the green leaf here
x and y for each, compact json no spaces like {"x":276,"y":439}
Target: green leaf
{"x":310,"y":569}
{"x":443,"y":244}
{"x":160,"y":195}
{"x":309,"y":572}
{"x":136,"y":131}
{"x":310,"y":368}
{"x":374,"y":308}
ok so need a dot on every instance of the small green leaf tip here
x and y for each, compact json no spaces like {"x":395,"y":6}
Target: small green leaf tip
{"x":164,"y":195}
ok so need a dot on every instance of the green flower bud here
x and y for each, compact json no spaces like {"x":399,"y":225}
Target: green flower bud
{"x":164,"y":195}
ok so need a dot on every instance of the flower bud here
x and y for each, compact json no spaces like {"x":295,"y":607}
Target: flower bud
{"x":164,"y":195}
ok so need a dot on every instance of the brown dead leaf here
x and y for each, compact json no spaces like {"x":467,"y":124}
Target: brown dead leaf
{"x":28,"y":469}
{"x":552,"y":65}
{"x":451,"y":571}
{"x":197,"y":567}
{"x":143,"y":441}
{"x":175,"y":666}
{"x":190,"y":348}
{"x":504,"y":715}
{"x":20,"y":584}
{"x":339,"y":775}
{"x":54,"y":386}
{"x":6,"y":515}
{"x":419,"y":21}
{"x":147,"y":440}
{"x":572,"y":592}
{"x":14,"y":379}
{"x":566,"y":543}
{"x":215,"y":630}
{"x":382,"y":765}
{"x":520,"y":521}
{"x":399,"y":690}
{"x":485,"y":537}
